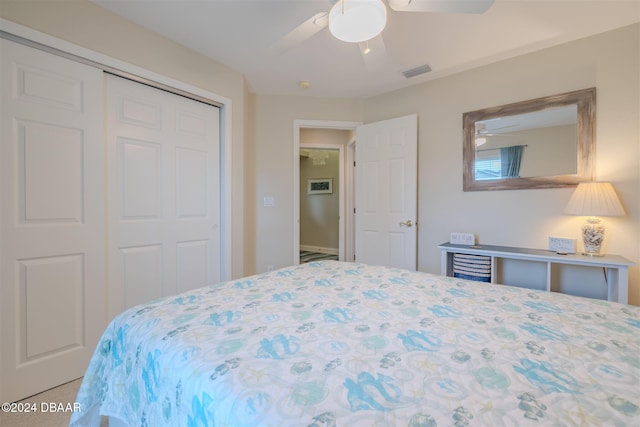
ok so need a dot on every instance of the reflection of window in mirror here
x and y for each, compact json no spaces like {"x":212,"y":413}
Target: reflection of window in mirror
{"x":488,"y":164}
{"x":499,"y":163}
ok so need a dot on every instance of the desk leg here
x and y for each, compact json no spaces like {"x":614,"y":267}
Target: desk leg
{"x":444,"y":263}
{"x":494,"y":269}
{"x":618,"y":285}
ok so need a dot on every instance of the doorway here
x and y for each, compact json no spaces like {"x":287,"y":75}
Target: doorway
{"x":323,"y":136}
{"x":320,"y":201}
{"x":388,"y":188}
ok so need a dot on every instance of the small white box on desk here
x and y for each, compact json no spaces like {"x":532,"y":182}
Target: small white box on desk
{"x":562,"y":245}
{"x":468,"y":239}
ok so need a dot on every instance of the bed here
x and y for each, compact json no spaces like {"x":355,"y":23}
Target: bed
{"x":348,"y":345}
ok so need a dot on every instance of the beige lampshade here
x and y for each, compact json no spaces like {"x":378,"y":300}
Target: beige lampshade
{"x":594,"y":199}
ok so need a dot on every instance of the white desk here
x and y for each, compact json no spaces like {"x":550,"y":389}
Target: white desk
{"x":616,"y":267}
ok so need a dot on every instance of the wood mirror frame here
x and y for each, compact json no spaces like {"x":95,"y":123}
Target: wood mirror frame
{"x":585,"y":100}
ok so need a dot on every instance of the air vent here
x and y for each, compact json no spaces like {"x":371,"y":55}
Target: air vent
{"x":417,"y":71}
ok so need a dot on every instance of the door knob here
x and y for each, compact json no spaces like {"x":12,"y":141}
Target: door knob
{"x":407,"y":223}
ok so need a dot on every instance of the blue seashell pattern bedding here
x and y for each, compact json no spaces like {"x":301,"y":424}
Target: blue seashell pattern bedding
{"x":343,"y":344}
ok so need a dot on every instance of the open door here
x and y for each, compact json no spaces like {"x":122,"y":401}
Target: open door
{"x":386,"y":192}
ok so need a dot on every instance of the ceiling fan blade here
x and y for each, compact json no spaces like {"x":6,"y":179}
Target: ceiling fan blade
{"x":301,"y":33}
{"x":495,"y":130}
{"x":374,"y":53}
{"x":446,"y":6}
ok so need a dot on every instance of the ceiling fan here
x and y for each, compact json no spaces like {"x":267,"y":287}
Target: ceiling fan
{"x":482,"y":133}
{"x":362,"y":21}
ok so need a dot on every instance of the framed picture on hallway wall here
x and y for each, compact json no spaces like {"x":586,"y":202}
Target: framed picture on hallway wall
{"x":320,"y":186}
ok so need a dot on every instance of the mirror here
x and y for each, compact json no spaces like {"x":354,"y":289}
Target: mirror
{"x":541,"y":143}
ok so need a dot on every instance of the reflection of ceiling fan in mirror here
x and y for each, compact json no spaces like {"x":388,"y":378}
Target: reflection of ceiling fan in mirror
{"x":482,"y":133}
{"x":362,"y":22}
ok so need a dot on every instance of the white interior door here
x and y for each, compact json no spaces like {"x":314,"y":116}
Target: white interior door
{"x":386,"y":192}
{"x":52,"y":266}
{"x":164,"y":193}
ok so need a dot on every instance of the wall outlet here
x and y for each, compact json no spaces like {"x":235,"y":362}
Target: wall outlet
{"x":562,"y":245}
{"x":468,"y":239}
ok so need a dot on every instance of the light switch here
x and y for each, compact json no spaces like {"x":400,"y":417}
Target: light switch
{"x":268,"y":202}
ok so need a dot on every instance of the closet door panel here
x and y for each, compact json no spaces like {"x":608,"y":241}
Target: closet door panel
{"x":47,"y":151}
{"x":164,"y":192}
{"x":52,"y":268}
{"x":140,"y":178}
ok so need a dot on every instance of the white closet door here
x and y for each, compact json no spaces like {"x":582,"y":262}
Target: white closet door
{"x":52,"y":266}
{"x":164,"y":193}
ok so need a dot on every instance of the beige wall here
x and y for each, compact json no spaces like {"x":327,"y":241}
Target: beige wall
{"x":262,"y":127}
{"x":610,"y":62}
{"x":272,"y":155}
{"x":319,"y":213}
{"x":315,"y":229}
{"x":87,"y":25}
{"x":550,"y":151}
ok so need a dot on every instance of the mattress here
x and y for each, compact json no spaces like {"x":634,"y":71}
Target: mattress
{"x":345,"y":344}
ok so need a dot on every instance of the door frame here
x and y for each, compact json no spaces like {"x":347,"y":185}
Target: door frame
{"x":42,"y":41}
{"x":350,"y":203}
{"x":346,"y":179}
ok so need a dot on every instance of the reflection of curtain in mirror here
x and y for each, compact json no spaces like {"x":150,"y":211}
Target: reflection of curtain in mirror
{"x":510,"y":159}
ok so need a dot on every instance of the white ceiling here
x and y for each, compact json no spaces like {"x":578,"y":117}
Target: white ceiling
{"x":242,"y":33}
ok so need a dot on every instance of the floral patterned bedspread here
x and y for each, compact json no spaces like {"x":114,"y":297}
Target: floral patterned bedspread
{"x":349,"y":345}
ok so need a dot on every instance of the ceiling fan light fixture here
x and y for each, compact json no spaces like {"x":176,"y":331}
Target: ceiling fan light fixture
{"x":356,"y":21}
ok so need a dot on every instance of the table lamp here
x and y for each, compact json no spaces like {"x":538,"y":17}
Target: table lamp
{"x":594,"y":199}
